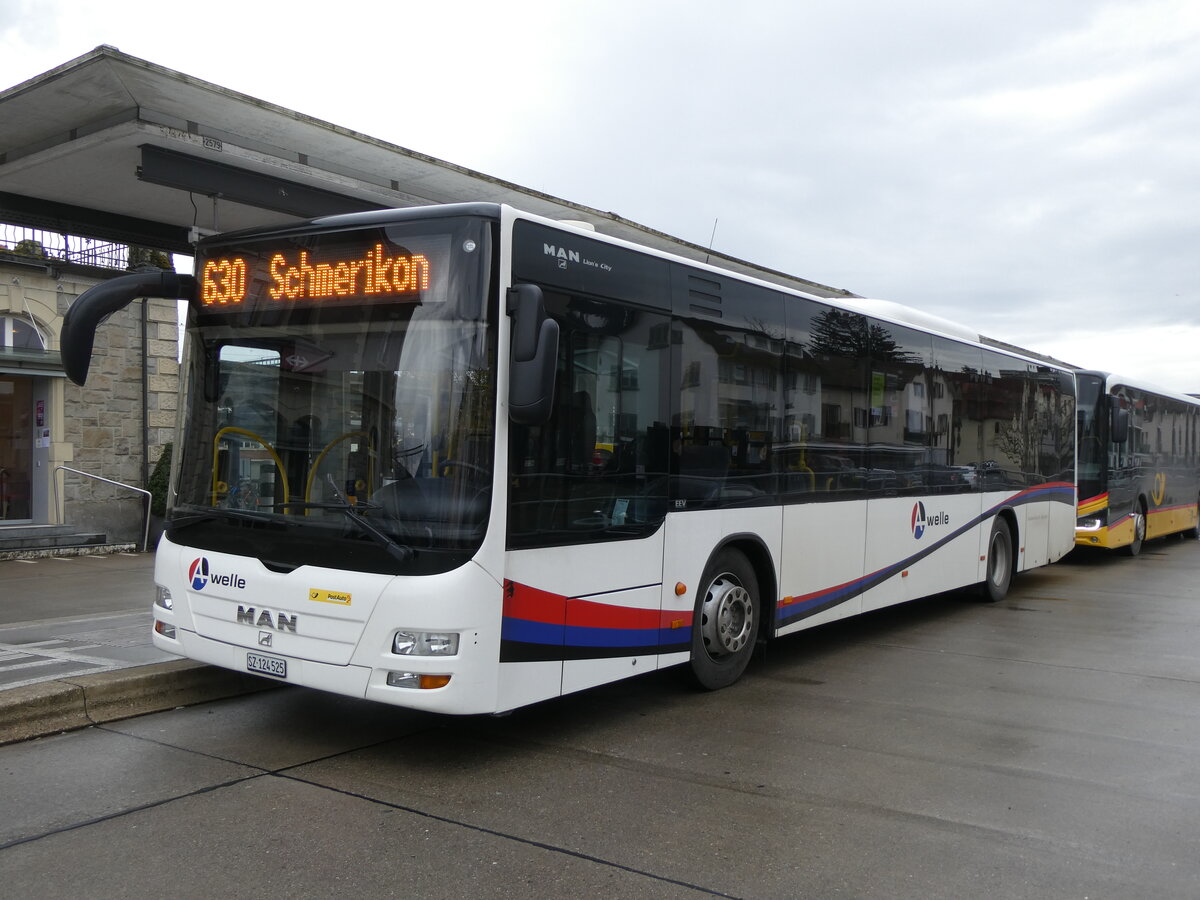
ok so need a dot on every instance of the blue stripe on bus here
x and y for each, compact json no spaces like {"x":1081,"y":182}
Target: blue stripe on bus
{"x":526,"y":631}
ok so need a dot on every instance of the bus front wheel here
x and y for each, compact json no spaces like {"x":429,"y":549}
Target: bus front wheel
{"x":725,"y":621}
{"x":1139,"y":530}
{"x":999,"y":562}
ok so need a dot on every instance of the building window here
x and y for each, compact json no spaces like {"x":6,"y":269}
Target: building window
{"x":19,"y":334}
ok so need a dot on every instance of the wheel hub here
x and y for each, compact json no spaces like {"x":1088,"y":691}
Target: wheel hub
{"x":728,"y":617}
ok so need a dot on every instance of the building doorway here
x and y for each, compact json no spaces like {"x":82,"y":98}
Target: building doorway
{"x":16,"y":449}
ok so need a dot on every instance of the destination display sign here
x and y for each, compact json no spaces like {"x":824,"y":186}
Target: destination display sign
{"x":364,"y":269}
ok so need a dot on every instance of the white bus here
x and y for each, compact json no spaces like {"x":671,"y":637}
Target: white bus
{"x":463,"y":458}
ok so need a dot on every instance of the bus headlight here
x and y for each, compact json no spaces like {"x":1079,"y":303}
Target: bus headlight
{"x":425,"y":643}
{"x":163,"y":597}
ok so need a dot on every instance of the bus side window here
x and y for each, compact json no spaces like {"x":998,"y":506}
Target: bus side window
{"x":702,"y":472}
{"x":595,"y":470}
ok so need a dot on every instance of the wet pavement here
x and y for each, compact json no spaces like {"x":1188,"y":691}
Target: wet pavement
{"x":1044,"y":746}
{"x":63,"y":617}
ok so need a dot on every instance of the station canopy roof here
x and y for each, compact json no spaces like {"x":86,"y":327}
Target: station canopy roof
{"x":114,"y":147}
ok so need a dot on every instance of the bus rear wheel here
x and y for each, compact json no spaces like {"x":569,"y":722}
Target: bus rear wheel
{"x":1193,"y":533}
{"x":999,"y":565}
{"x":725,"y":621}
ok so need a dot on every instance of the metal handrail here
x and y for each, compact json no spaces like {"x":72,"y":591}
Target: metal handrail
{"x":149,"y":497}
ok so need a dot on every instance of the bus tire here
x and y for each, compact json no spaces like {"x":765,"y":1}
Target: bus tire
{"x":1139,"y":529}
{"x":1193,"y":533}
{"x":725,"y":621}
{"x":999,"y":565}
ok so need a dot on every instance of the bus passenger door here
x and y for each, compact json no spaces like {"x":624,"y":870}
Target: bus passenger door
{"x":587,"y":498}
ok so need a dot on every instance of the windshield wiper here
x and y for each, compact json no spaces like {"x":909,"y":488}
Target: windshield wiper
{"x":354,"y":513}
{"x":216,"y":512}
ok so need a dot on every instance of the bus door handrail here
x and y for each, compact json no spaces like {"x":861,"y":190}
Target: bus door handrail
{"x":312,"y":474}
{"x":231,"y":429}
{"x":120,"y":484}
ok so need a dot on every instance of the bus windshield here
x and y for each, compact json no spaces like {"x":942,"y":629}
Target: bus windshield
{"x":353,"y":431}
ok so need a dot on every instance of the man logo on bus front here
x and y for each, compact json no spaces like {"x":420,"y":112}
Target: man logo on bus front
{"x":918,"y":520}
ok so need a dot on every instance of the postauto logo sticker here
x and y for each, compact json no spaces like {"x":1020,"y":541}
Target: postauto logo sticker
{"x":200,"y":576}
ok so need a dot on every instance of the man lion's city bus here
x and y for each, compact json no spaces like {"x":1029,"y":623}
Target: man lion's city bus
{"x":1139,"y":463}
{"x":462,"y":458}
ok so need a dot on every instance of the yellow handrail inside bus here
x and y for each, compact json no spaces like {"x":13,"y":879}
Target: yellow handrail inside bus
{"x":801,"y":464}
{"x":229,"y":429}
{"x":312,"y":472}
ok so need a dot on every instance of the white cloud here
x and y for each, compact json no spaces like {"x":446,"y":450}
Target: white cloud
{"x":1027,"y":168}
{"x":1132,"y":348}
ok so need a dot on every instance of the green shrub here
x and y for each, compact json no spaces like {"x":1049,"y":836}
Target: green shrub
{"x":145,"y":256}
{"x":159,"y":480}
{"x":30,"y":248}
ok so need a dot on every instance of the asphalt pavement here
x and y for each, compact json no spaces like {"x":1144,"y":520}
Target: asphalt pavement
{"x":75,"y":647}
{"x":1045,"y":746}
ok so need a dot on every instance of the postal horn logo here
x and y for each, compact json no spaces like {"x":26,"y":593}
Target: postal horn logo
{"x":198,"y":574}
{"x":918,"y":520}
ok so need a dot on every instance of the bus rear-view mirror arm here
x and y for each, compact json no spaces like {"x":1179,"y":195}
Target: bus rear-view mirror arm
{"x":97,"y":303}
{"x":534,"y":352}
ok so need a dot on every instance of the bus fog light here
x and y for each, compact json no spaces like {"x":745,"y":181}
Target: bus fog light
{"x":163,"y":598}
{"x":417,"y":681}
{"x":425,"y":643}
{"x":167,"y":631}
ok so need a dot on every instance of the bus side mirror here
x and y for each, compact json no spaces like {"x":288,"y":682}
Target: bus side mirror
{"x":534,"y":354}
{"x":99,"y":302}
{"x":1118,"y":425}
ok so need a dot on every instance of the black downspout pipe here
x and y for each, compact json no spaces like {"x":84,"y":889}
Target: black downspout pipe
{"x":145,"y":395}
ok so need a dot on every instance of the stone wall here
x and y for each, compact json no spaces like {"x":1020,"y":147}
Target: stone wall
{"x":98,"y":428}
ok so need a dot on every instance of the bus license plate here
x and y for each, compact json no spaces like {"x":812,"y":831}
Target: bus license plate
{"x":266,"y":665}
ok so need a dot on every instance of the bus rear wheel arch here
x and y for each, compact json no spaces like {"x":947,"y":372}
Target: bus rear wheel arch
{"x":726,"y":620}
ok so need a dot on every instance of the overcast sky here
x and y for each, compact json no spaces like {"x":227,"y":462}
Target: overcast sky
{"x":1030,"y":169}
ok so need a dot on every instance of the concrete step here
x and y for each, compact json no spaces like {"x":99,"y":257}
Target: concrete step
{"x":83,"y":550}
{"x":38,"y":541}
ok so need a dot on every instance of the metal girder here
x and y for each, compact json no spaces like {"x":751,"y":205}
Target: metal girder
{"x":47,"y":215}
{"x":210,"y":178}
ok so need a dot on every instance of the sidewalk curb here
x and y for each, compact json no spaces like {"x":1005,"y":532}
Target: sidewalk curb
{"x":50,"y":707}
